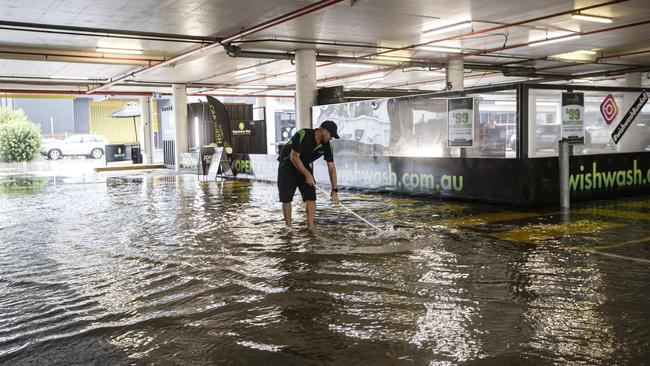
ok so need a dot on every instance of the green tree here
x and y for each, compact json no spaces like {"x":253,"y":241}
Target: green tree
{"x":20,"y":140}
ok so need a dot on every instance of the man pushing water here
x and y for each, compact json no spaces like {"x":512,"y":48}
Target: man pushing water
{"x":295,"y":170}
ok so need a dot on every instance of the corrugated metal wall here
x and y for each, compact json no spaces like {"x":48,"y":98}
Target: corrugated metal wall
{"x":81,"y":115}
{"x":116,"y":130}
{"x":40,"y":110}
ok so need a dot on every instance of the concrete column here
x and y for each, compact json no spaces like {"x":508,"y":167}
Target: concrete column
{"x":454,"y":74}
{"x":305,"y":87}
{"x":454,"y":77}
{"x":564,"y":165}
{"x":179,"y":94}
{"x":146,"y":129}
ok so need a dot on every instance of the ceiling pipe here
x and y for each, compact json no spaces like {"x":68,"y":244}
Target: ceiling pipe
{"x":119,"y":60}
{"x":485,"y":52}
{"x":102,"y":32}
{"x":622,"y":55}
{"x":279,"y":20}
{"x":499,"y":27}
{"x":426,"y":65}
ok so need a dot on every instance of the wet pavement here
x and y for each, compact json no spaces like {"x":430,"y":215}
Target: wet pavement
{"x":157,"y":268}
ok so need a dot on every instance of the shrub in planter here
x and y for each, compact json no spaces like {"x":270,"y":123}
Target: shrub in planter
{"x":9,"y":115}
{"x":19,"y":141}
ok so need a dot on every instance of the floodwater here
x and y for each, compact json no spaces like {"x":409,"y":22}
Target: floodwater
{"x":162,"y":269}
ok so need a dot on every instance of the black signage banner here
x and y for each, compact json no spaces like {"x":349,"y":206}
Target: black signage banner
{"x":629,"y":117}
{"x":524,"y":182}
{"x":220,"y":121}
{"x":242,"y":128}
{"x":117,"y":152}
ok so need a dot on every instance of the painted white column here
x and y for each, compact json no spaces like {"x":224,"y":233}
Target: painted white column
{"x":146,"y":129}
{"x":454,"y":74}
{"x":305,"y":87}
{"x":179,"y":94}
{"x":270,"y":123}
{"x":454,"y":79}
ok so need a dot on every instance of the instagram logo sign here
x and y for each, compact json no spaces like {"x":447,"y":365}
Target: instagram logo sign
{"x":609,"y":109}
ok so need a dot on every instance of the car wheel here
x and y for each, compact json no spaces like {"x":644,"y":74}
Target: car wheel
{"x":54,"y":154}
{"x":97,"y":153}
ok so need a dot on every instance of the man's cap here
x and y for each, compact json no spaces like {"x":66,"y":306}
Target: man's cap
{"x":331,"y":127}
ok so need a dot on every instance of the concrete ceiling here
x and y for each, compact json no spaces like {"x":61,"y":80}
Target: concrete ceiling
{"x":41,"y":39}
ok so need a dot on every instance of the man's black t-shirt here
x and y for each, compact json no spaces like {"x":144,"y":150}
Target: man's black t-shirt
{"x":304,"y":143}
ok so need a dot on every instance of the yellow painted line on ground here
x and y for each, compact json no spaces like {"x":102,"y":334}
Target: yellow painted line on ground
{"x":129,"y":167}
{"x":637,"y":204}
{"x":611,"y":246}
{"x":532,"y":234}
{"x":632,"y":215}
{"x":421,"y":210}
{"x":490,"y":218}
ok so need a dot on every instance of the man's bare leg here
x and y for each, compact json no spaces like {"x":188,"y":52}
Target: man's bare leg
{"x":286,"y":211}
{"x":311,"y":211}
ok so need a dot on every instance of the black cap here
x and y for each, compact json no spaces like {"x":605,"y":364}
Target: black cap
{"x":331,"y":127}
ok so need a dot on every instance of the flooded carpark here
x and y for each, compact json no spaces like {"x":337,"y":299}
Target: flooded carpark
{"x":158,"y":268}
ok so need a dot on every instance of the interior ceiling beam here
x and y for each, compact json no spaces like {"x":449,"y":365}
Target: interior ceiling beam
{"x":223,"y":41}
{"x":103,"y":32}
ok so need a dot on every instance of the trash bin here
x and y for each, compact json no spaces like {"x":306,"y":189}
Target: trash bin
{"x":136,"y":155}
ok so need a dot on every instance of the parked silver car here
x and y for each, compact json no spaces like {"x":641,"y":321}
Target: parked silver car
{"x":91,"y":146}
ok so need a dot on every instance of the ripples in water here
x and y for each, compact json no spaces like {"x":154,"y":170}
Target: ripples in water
{"x":160,"y":270}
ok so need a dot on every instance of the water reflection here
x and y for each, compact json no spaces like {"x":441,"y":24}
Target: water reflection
{"x":146,"y":269}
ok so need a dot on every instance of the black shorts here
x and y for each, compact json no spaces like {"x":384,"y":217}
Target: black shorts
{"x":289,"y":178}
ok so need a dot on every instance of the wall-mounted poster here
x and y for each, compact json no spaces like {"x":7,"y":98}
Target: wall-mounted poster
{"x":460,"y":125}
{"x":573,"y":118}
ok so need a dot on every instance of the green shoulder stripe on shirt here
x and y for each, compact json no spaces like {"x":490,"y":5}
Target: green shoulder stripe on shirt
{"x":301,"y":133}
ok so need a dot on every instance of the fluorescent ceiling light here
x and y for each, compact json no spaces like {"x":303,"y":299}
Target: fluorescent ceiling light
{"x":225,"y":90}
{"x":448,"y":28}
{"x":581,"y":81}
{"x":591,"y":18}
{"x":393,"y":58}
{"x":586,"y":52}
{"x":359,"y":66}
{"x":553,"y":40}
{"x":118,"y":50}
{"x":70,"y":77}
{"x":441,"y":49}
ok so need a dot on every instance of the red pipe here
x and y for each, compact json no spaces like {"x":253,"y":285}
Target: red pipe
{"x":499,"y":27}
{"x":623,"y":55}
{"x":483,"y":52}
{"x":281,"y":19}
{"x":46,"y":55}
